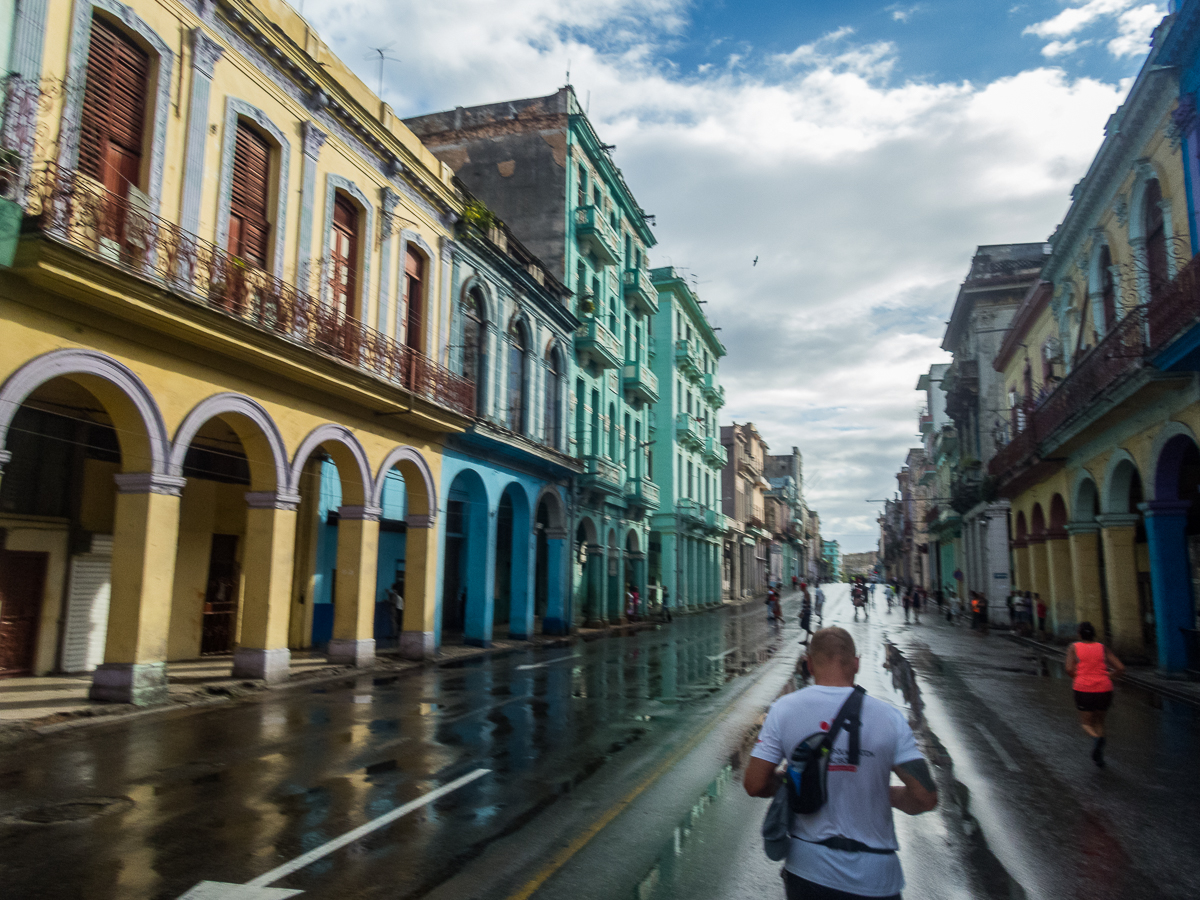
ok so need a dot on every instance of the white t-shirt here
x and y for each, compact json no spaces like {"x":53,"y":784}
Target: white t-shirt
{"x":859,"y":806}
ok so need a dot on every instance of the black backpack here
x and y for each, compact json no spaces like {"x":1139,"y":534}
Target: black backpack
{"x":808,"y":768}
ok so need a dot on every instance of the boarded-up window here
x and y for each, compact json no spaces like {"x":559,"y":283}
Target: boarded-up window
{"x":344,"y":256}
{"x":249,"y":228}
{"x":414,"y":293}
{"x":114,"y":109}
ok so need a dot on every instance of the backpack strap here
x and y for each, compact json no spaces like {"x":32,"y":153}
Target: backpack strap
{"x":849,"y":714}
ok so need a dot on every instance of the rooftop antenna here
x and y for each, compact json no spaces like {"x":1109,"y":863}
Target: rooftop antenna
{"x":568,"y":71}
{"x":383,"y":57}
{"x":587,"y":107}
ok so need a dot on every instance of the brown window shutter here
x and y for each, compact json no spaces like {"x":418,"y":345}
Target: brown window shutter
{"x":114,"y":108}
{"x":249,"y":224}
{"x":344,"y":256}
{"x":414,"y":270}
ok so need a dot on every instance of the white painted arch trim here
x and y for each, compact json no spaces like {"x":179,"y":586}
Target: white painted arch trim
{"x":59,"y":363}
{"x":413,"y":456}
{"x":1082,"y":477}
{"x":557,"y":509}
{"x":238,"y":404}
{"x":336,"y":434}
{"x":1119,"y":456}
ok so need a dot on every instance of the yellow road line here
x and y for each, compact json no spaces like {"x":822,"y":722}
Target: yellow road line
{"x":564,"y":855}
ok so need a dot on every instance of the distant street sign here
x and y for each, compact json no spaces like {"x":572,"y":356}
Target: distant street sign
{"x":216,"y":890}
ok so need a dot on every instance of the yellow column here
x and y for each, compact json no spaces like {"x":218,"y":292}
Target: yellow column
{"x":145,"y":534}
{"x":1084,"y":542}
{"x":262,"y":651}
{"x":1117,"y":536}
{"x":1062,"y":598}
{"x":1039,"y":575}
{"x":420,"y":588}
{"x":353,"y":640}
{"x":1020,"y":558}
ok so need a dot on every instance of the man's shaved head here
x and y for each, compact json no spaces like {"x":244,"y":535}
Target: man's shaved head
{"x":831,"y":646}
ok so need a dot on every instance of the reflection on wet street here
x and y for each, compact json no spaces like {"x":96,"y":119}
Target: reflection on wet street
{"x":148,"y":807}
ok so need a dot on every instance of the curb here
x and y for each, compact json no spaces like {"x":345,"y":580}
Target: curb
{"x":15,"y":733}
{"x":1149,"y":684}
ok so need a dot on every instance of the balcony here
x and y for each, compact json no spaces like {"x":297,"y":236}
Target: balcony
{"x":686,"y":360}
{"x":687,"y":431}
{"x":72,"y":209}
{"x":926,"y":422}
{"x":749,"y":468}
{"x":715,"y":453}
{"x":641,"y":385}
{"x":594,"y":233}
{"x":641,"y":492}
{"x":602,"y":475}
{"x":713,"y":392}
{"x":639,"y":291}
{"x":595,"y":342}
{"x":690,"y":511}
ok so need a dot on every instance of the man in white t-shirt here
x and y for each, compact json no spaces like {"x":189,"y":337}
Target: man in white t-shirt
{"x":846,"y":849}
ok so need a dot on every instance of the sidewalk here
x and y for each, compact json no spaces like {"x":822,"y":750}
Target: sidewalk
{"x":1147,"y":677}
{"x":47,"y":704}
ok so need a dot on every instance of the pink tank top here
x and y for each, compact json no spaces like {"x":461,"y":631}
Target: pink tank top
{"x":1091,"y":675}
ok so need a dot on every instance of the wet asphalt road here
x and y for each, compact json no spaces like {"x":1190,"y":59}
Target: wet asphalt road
{"x":158,"y":803}
{"x":1024,"y":812}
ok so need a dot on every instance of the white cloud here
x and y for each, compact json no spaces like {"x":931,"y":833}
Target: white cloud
{"x":1055,"y":49}
{"x":1136,"y":26}
{"x":1075,"y":18}
{"x":863,"y":199}
{"x":901,"y":13}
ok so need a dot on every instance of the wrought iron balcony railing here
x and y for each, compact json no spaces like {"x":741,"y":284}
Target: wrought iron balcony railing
{"x":75,"y":210}
{"x":713,"y":392}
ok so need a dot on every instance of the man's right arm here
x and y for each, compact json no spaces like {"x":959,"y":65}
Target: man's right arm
{"x":762,"y":778}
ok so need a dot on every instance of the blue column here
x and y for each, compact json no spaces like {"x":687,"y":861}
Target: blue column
{"x":1170,"y":578}
{"x":481,"y":568}
{"x":556,"y":620}
{"x":524,"y":558}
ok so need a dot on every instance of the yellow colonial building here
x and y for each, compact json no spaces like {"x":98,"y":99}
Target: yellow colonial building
{"x":228,"y":304}
{"x":1103,"y":463}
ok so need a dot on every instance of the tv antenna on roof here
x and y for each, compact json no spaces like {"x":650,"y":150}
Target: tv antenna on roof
{"x":383,"y":57}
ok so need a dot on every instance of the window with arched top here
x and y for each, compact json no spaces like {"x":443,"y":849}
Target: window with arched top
{"x":249,"y":222}
{"x":1156,"y":238}
{"x":414,"y":298}
{"x":517,"y":348}
{"x":474,"y":367}
{"x":115,"y":94}
{"x":1108,"y":290}
{"x":343,"y":256}
{"x":554,"y":398}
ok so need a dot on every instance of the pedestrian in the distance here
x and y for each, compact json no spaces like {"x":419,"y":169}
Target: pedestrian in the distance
{"x":819,"y":605}
{"x":806,"y":609}
{"x":847,"y":848}
{"x":395,"y":596}
{"x":1089,"y":663}
{"x":907,"y":602}
{"x":1041,"y":614}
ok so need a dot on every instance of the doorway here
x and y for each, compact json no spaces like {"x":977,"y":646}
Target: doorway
{"x":22,"y":580}
{"x":221,"y":596}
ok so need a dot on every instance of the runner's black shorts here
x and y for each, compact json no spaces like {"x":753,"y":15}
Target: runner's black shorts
{"x":1093,"y":701}
{"x":802,"y":889}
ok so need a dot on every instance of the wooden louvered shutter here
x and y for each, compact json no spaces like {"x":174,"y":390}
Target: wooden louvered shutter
{"x":414,"y":270}
{"x":114,"y":109}
{"x":248,"y":224}
{"x":344,"y":256}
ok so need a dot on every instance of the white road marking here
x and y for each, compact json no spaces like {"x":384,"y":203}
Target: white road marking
{"x":723,"y":655}
{"x":548,"y":663}
{"x":257,"y":888}
{"x":1009,"y":762}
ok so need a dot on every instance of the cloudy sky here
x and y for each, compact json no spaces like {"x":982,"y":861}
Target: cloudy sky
{"x":860,"y":149}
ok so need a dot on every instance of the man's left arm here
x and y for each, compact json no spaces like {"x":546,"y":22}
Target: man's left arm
{"x":919,"y":793}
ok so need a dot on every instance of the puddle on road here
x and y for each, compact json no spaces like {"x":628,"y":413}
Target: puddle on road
{"x":668,"y":866}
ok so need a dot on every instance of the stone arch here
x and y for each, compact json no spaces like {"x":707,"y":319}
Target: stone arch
{"x":478,"y":282}
{"x":255,"y":428}
{"x":1085,"y":496}
{"x":354,"y":470}
{"x":141,"y":432}
{"x":555,"y":508}
{"x":420,"y":487}
{"x":1118,"y":479}
{"x":1022,"y":530}
{"x":1058,"y":515}
{"x":633,"y":543}
{"x":1169,"y":445}
{"x":589,"y":531}
{"x":1145,"y":172}
{"x":468,"y":561}
{"x":1037,"y":521}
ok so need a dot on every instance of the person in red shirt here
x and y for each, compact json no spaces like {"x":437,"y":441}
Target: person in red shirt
{"x":1089,"y":663}
{"x":1040,"y":604}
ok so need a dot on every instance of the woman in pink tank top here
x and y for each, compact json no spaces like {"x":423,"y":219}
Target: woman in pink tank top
{"x":1088,"y":663}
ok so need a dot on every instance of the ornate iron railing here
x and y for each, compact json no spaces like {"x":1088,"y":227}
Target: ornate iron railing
{"x":71,"y":208}
{"x":1177,"y":307}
